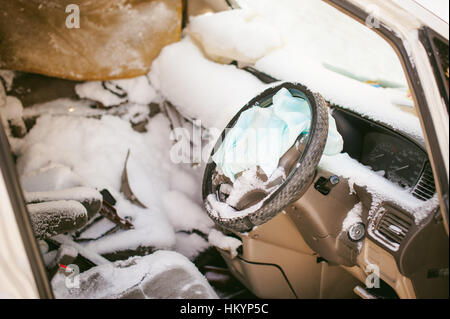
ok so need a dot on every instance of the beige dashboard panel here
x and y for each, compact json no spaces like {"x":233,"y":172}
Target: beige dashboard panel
{"x":283,"y":232}
{"x":372,"y":254}
{"x":264,"y":280}
{"x":113,"y":39}
{"x":277,"y":263}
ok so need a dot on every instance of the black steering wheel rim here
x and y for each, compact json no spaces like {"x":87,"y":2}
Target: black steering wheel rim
{"x":298,"y":179}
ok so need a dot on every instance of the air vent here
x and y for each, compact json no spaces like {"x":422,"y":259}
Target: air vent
{"x":393,"y":228}
{"x":425,"y":188}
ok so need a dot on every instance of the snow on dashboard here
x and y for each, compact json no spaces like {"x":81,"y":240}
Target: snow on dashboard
{"x":381,"y":189}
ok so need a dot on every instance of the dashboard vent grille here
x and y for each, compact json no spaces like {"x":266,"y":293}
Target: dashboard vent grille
{"x":394,"y":227}
{"x":425,"y":188}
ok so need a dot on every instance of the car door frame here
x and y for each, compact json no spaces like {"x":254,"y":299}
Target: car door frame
{"x":422,"y":81}
{"x":37,"y":285}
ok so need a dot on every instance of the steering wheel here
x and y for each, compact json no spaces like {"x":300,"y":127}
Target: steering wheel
{"x":299,"y":163}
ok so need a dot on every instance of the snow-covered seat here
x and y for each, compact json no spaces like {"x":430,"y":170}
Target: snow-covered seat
{"x":162,"y":275}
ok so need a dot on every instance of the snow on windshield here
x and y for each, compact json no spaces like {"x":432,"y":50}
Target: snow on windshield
{"x":321,"y":32}
{"x":330,"y":53}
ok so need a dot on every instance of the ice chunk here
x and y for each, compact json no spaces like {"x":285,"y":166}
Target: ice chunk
{"x":261,"y":136}
{"x":161,"y":275}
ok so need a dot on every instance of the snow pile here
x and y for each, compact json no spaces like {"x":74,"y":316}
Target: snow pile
{"x":219,"y":240}
{"x":231,"y":35}
{"x":161,"y":275}
{"x":95,"y":150}
{"x":199,"y":88}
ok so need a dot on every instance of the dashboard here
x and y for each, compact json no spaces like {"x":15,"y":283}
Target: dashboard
{"x":397,"y":158}
{"x":413,"y":249}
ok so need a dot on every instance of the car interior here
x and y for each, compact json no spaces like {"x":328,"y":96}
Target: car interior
{"x":363,"y":223}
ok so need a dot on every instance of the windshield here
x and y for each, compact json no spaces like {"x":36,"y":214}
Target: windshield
{"x":331,"y":53}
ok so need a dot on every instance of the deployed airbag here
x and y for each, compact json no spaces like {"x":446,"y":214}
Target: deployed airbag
{"x":262,"y":135}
